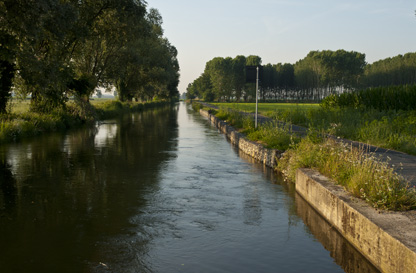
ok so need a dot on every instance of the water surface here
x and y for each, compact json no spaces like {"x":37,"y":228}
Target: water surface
{"x":158,"y":191}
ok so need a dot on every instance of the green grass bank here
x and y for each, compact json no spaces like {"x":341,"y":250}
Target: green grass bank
{"x":20,"y":123}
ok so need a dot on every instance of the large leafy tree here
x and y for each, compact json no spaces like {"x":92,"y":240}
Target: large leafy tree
{"x":111,"y":26}
{"x":39,"y":42}
{"x":54,"y":49}
{"x":148,"y":67}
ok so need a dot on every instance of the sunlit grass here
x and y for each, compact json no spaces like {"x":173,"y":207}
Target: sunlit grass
{"x":264,"y":108}
{"x":270,"y":134}
{"x":20,"y":122}
{"x":18,"y":106}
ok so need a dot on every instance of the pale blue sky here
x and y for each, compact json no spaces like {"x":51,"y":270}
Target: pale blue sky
{"x":284,"y":31}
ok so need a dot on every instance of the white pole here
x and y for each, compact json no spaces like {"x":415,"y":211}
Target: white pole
{"x":257,"y":94}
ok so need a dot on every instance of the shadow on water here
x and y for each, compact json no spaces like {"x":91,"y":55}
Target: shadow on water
{"x":61,"y":195}
{"x":341,"y":250}
{"x":343,"y":253}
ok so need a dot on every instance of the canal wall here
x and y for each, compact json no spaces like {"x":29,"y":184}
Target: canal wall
{"x":386,"y":239}
{"x":266,"y":156}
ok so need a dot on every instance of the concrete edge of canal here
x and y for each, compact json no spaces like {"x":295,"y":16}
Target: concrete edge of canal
{"x":386,"y":239}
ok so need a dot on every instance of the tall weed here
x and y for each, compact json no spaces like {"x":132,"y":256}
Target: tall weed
{"x":359,"y":172}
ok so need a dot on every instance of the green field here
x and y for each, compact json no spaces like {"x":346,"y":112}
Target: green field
{"x":19,"y":106}
{"x":264,"y":108}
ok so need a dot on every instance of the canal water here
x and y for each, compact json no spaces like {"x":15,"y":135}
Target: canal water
{"x":158,"y":191}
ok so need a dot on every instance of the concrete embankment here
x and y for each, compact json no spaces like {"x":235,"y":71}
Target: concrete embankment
{"x":386,"y":239}
{"x":267,"y":156}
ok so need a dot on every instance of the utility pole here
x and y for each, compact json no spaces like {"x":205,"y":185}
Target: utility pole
{"x":254,"y":74}
{"x":257,"y":94}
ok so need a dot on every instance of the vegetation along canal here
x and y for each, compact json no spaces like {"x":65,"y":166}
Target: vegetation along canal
{"x":157,"y":191}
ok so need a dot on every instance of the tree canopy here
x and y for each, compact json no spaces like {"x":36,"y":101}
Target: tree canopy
{"x":312,"y":78}
{"x":55,"y":49}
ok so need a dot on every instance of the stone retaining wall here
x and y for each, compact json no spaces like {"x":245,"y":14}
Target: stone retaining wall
{"x":267,"y":156}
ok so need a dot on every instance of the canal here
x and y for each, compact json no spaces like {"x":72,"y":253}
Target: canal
{"x":157,"y":191}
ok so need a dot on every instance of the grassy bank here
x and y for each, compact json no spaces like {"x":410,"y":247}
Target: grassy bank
{"x":264,"y":108}
{"x":386,"y":128}
{"x":21,"y":123}
{"x":358,"y":172}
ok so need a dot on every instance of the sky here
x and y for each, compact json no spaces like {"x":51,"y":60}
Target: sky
{"x":284,"y":31}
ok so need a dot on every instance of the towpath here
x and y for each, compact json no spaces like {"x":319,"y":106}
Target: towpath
{"x":404,"y":164}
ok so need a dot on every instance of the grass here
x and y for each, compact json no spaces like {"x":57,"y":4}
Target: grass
{"x":18,"y":106}
{"x":20,"y":122}
{"x":360,"y":173}
{"x":264,"y":108}
{"x":390,"y":129}
{"x":271,"y":134}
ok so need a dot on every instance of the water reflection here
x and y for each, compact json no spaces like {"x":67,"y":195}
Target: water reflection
{"x":107,"y":133}
{"x":8,"y":189}
{"x":69,"y":191}
{"x":343,"y":252}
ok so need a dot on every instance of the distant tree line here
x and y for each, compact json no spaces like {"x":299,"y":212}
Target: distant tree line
{"x":56,"y":49}
{"x":319,"y":74}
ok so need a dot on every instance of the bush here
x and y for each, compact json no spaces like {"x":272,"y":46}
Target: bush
{"x":381,"y":98}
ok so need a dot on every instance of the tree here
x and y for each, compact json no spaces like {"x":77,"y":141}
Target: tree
{"x":40,"y":30}
{"x":54,"y":49}
{"x":238,"y":75}
{"x":250,"y":88}
{"x":7,"y":68}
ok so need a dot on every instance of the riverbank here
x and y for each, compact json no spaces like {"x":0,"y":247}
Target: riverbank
{"x":17,"y":126}
{"x":390,"y":243}
{"x":381,"y":177}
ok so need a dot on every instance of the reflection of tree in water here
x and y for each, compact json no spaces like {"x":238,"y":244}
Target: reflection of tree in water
{"x":72,"y":194}
{"x":252,"y":206}
{"x":8,"y":186}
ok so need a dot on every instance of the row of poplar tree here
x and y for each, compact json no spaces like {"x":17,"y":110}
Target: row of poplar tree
{"x":56,"y":49}
{"x":312,"y":78}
